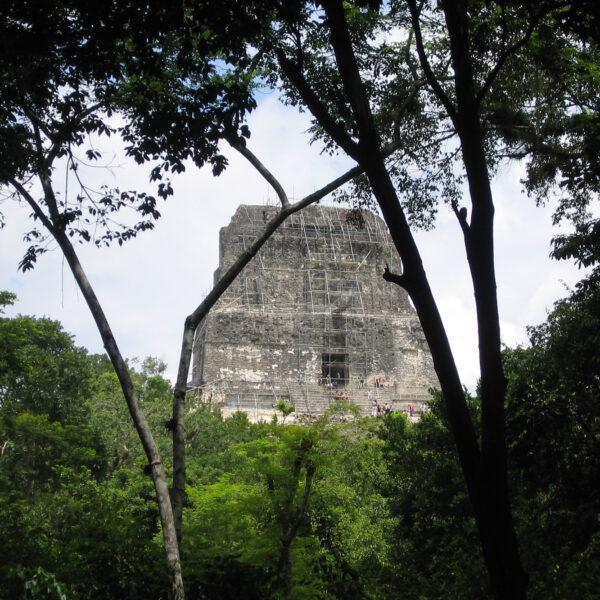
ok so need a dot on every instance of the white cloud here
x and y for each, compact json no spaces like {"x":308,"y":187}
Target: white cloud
{"x":150,"y":284}
{"x":461,"y":327}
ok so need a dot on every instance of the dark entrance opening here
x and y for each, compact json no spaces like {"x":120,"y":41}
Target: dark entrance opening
{"x":335,"y":369}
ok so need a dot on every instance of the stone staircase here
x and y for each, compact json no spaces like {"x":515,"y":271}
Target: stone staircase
{"x":311,"y":399}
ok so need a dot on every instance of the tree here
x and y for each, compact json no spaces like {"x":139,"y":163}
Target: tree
{"x":258,"y":517}
{"x":256,"y":513}
{"x":285,"y":409}
{"x":95,"y":535}
{"x":434,"y":535}
{"x":78,"y":74}
{"x":60,"y":496}
{"x":366,"y":100}
{"x":553,"y":392}
{"x":42,"y":371}
{"x":350,"y":514}
{"x":443,"y":81}
{"x":62,"y":73}
{"x":144,"y":55}
{"x":342,"y":28}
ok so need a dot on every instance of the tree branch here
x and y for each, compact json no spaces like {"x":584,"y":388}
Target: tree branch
{"x":417,"y":85}
{"x":39,"y":213}
{"x":155,"y":463}
{"x":502,"y":60}
{"x":429,"y":74}
{"x":241,"y":147}
{"x":316,"y":107}
{"x":301,"y":510}
{"x":400,"y":280}
{"x":341,"y":42}
{"x":194,"y":319}
{"x":461,"y":215}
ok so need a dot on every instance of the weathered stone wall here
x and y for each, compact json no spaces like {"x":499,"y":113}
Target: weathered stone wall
{"x":310,"y":314}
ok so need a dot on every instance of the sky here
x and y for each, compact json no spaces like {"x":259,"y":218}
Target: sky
{"x":149,"y":285}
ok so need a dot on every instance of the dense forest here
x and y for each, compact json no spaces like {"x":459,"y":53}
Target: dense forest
{"x":116,"y":483}
{"x":347,"y":507}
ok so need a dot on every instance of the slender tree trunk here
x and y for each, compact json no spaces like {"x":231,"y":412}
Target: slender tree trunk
{"x":413,"y":279}
{"x":498,"y":537}
{"x":507,"y":577}
{"x":150,"y":448}
{"x":485,"y":471}
{"x":193,"y":321}
{"x":156,"y":466}
{"x":286,"y":571}
{"x":290,"y":519}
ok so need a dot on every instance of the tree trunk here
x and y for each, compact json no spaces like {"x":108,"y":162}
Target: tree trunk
{"x":286,"y":571}
{"x":54,"y":225}
{"x":485,"y":471}
{"x":150,"y":448}
{"x":499,"y":542}
{"x":193,"y":320}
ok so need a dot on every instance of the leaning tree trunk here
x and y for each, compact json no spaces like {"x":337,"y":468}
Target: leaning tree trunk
{"x":485,"y":470}
{"x":54,"y":224}
{"x":193,"y":320}
{"x":155,"y":462}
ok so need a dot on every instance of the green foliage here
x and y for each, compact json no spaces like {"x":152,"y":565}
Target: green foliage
{"x":94,"y":537}
{"x":435,"y":540}
{"x":252,"y":513}
{"x":361,"y":509}
{"x":43,"y":585}
{"x":109,"y":414}
{"x":42,"y":371}
{"x":285,"y":409}
{"x":553,"y":432}
{"x":312,"y":488}
{"x":6,"y":299}
{"x":34,"y":450}
{"x":71,"y":523}
{"x":583,"y":246}
{"x":342,"y":409}
{"x":210,"y":440}
{"x":350,"y":517}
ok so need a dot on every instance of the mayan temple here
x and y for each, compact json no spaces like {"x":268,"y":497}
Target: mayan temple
{"x":311,"y":320}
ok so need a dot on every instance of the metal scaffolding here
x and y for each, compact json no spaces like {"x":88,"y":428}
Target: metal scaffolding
{"x":321,"y":282}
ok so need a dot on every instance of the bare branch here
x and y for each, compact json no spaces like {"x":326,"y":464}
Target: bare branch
{"x":316,"y":107}
{"x":39,"y":213}
{"x":195,"y":318}
{"x":503,"y":58}
{"x":429,"y":74}
{"x":241,"y":147}
{"x":394,"y":277}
